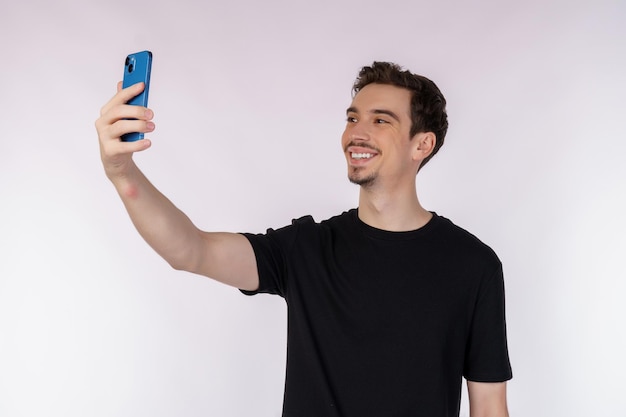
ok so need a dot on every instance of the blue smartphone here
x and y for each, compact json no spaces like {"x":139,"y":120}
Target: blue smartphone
{"x":137,"y":68}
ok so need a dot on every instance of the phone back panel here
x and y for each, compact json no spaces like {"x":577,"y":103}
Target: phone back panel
{"x":137,"y":68}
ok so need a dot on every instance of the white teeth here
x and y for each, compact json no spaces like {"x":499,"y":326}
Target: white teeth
{"x":361,"y":155}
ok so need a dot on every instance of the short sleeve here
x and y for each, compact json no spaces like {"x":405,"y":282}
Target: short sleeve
{"x":487,"y":358}
{"x":271,"y":251}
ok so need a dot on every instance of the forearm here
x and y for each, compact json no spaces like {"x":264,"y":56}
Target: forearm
{"x":226,"y":257}
{"x":162,"y":225}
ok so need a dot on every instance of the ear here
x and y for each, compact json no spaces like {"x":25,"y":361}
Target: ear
{"x":424,"y":145}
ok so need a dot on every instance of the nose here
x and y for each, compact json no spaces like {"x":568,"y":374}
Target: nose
{"x":358,"y":132}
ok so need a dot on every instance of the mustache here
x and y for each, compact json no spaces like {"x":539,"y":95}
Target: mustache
{"x":360,"y":145}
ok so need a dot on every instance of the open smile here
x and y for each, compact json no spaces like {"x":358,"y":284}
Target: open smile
{"x":361,"y":154}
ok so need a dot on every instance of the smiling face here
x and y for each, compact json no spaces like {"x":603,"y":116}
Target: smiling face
{"x":376,"y":142}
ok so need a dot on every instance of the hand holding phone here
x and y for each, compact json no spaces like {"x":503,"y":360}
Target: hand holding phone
{"x":137,"y":68}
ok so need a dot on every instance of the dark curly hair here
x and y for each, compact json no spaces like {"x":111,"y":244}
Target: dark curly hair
{"x":428,"y":105}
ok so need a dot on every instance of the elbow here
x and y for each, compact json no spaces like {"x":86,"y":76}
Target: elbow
{"x":180,"y":262}
{"x":183,"y":263}
{"x":177,"y":265}
{"x":187,"y":254}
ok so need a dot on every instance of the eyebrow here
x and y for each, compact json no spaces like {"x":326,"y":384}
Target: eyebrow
{"x":375,"y":111}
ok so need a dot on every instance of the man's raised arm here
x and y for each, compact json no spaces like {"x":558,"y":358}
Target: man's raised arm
{"x":225,"y":257}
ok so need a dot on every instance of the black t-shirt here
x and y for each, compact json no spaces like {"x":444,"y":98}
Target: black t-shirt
{"x":384,"y":323}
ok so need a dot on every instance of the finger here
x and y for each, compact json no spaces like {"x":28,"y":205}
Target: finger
{"x":123,"y":111}
{"x":123,"y":127}
{"x":122,"y":96}
{"x":131,"y":147}
{"x":124,"y":119}
{"x":113,"y":149}
{"x":119,"y":86}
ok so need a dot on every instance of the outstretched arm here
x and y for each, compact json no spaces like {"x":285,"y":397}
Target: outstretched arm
{"x":226,"y":257}
{"x":487,"y":399}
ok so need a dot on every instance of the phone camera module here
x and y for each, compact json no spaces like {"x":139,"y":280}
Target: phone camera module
{"x":127,"y":61}
{"x":131,"y":68}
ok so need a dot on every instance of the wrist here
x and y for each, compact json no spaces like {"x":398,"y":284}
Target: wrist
{"x":126,"y":182}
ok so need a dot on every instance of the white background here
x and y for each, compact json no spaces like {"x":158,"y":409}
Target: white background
{"x":250,"y":102}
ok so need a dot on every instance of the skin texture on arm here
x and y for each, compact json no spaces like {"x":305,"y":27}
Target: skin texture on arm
{"x":487,"y":399}
{"x":225,"y":257}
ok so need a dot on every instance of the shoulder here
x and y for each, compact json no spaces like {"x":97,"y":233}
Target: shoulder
{"x":306,"y":226}
{"x":461,"y":241}
{"x":341,"y":220}
{"x":338,"y":222}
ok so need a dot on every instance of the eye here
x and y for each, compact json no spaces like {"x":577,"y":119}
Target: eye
{"x":380,"y":121}
{"x":351,"y":119}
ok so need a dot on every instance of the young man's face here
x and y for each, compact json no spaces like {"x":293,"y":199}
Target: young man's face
{"x":376,"y":140}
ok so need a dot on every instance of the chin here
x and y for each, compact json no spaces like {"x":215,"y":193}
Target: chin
{"x":363,"y":181}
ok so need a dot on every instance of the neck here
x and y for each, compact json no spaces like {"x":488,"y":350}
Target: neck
{"x":395,"y":210}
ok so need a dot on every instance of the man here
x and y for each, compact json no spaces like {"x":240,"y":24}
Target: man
{"x":389,"y":305}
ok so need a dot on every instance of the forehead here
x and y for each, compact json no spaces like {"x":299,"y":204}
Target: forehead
{"x":383,"y":97}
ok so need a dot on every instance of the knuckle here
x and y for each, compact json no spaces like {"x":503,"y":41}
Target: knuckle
{"x":115,"y":113}
{"x":139,"y":112}
{"x":116,"y":130}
